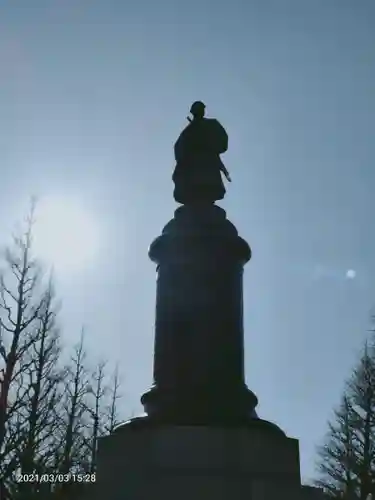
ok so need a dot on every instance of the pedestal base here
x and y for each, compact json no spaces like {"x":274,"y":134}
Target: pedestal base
{"x":208,"y":406}
{"x":200,"y":463}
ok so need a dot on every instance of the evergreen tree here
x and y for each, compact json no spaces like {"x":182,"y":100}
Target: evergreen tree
{"x":346,"y":461}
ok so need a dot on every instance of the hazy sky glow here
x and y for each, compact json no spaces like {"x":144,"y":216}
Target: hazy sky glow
{"x":65,"y":235}
{"x":92,"y":98}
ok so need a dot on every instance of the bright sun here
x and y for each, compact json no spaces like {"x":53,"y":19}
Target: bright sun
{"x":64,"y":234}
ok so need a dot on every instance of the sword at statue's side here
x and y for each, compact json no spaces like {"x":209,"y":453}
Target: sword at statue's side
{"x":226,"y":173}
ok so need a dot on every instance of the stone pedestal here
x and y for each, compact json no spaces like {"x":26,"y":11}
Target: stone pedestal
{"x":197,"y":463}
{"x":199,"y":352}
{"x":201,"y":438}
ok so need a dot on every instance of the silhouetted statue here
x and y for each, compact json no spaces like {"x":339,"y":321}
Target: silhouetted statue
{"x":197,"y":175}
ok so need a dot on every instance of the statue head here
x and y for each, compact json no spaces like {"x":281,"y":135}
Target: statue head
{"x":198,"y":109}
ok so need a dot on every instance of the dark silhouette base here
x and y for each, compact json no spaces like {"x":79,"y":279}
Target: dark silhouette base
{"x":256,"y":423}
{"x":216,"y":405}
{"x":200,"y":437}
{"x":198,"y":355}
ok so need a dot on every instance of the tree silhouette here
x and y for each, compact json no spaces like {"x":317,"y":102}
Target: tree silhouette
{"x":346,"y":460}
{"x":52,"y":412}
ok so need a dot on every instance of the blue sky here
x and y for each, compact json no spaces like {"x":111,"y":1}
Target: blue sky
{"x":93,"y":95}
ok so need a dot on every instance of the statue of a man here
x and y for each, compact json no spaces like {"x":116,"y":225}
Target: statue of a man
{"x":197,"y":175}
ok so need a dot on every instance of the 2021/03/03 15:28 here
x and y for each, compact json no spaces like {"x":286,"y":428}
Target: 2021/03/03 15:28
{"x":56,"y":478}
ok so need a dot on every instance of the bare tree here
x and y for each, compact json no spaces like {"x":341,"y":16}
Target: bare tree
{"x":98,"y":392}
{"x":74,"y":409}
{"x":90,"y":411}
{"x":336,"y":456}
{"x":103,"y":407}
{"x":347,"y":459}
{"x":51,"y":413}
{"x":112,"y":409}
{"x":38,"y":417}
{"x":20,"y":305}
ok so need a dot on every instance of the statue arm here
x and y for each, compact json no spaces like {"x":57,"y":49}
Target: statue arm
{"x":221,"y":136}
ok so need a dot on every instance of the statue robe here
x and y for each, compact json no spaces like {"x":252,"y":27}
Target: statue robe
{"x":197,"y":175}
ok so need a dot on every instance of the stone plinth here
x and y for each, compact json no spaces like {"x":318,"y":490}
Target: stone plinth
{"x":197,"y":463}
{"x":199,"y":347}
{"x":201,"y":438}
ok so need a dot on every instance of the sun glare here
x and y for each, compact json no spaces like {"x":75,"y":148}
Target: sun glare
{"x":64,"y":235}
